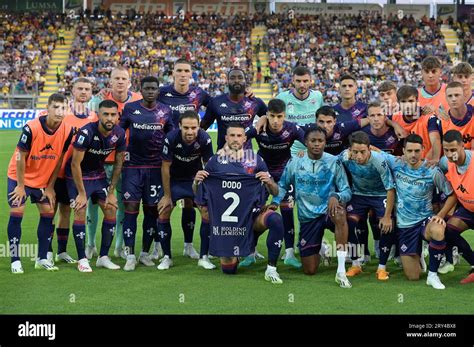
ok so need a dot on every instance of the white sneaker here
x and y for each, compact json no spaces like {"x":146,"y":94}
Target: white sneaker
{"x":271,"y":275}
{"x":131,"y":263}
{"x":65,"y":257}
{"x":44,"y":264}
{"x":50,"y":258}
{"x":145,"y":259}
{"x":83,"y":265}
{"x":189,"y":251}
{"x":205,"y":263}
{"x":157,"y":252}
{"x":107,"y":263}
{"x":259,"y":255}
{"x":434,"y":281}
{"x":16,"y":267}
{"x":165,"y":263}
{"x":120,"y":253}
{"x":423,"y":265}
{"x":446,"y":268}
{"x":91,"y":251}
{"x":342,"y":280}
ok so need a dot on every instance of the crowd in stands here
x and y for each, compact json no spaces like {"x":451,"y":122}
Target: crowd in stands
{"x":26,"y":43}
{"x":373,"y":48}
{"x":465,"y":33}
{"x":149,"y":44}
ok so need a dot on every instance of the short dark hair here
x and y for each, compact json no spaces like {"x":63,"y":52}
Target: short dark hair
{"x":327,"y":111}
{"x":149,"y":79}
{"x":56,"y":97}
{"x":404,"y":92}
{"x":359,"y":137}
{"x":385,"y":86}
{"x":189,"y":114}
{"x":235,"y":125}
{"x":413,"y":138}
{"x":431,"y":62}
{"x":314,"y":129}
{"x":301,"y":71}
{"x":453,"y":135}
{"x":237,"y":69}
{"x":462,"y":69}
{"x":454,"y":84}
{"x":373,"y":104}
{"x":347,"y":77}
{"x":182,"y":61}
{"x":108,"y":104}
{"x":82,"y":80}
{"x":276,"y":106}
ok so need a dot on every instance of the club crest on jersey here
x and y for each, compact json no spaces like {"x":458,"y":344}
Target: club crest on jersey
{"x":247,"y":104}
{"x":114,"y":139}
{"x":356,"y":112}
{"x":285,"y":134}
{"x":291,"y":107}
{"x":336,"y":136}
{"x":391,"y":139}
{"x":192,"y":95}
{"x":197,"y":145}
{"x":161,"y":113}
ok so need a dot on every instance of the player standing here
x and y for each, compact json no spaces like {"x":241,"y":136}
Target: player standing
{"x":86,"y":179}
{"x":147,"y":121}
{"x":78,"y":116}
{"x":182,"y":97}
{"x":185,"y":150}
{"x":121,"y":95}
{"x":275,"y":148}
{"x":32,"y":173}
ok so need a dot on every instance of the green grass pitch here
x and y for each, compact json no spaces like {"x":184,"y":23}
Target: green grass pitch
{"x":189,"y":289}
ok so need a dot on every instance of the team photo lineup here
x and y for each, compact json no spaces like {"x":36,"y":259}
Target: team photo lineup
{"x":336,"y":170}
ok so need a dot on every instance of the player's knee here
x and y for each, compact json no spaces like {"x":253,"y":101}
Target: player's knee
{"x":165,"y":214}
{"x":132,"y":206}
{"x":413,"y":276}
{"x":272,"y":219}
{"x":150,"y":210}
{"x":204,"y":212}
{"x":229,"y":265}
{"x":436,"y":232}
{"x":80,"y":215}
{"x":110,"y":212}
